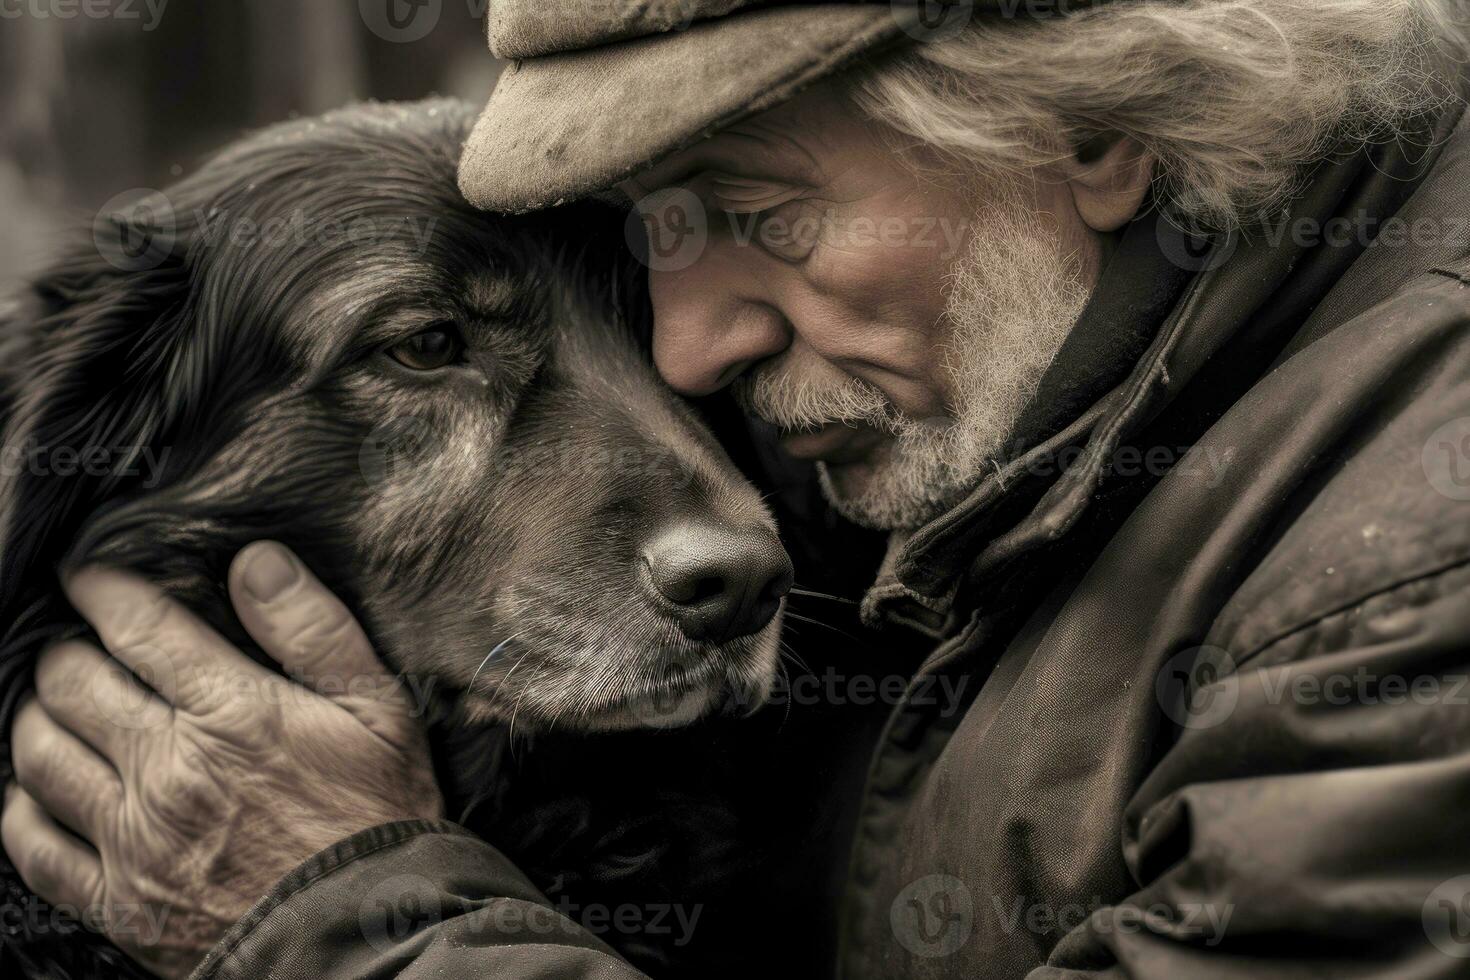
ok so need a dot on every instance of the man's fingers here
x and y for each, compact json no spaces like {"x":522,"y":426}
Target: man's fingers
{"x":169,"y":648}
{"x":96,"y":698}
{"x":301,"y":624}
{"x":62,"y":773}
{"x":54,"y":864}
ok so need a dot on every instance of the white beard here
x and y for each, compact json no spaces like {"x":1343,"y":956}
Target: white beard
{"x":1014,"y":297}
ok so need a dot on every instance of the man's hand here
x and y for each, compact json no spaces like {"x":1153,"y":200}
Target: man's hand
{"x":163,"y":812}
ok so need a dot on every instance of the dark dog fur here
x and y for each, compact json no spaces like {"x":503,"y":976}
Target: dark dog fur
{"x":230,"y":368}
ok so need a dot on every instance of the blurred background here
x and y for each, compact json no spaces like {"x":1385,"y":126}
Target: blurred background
{"x":103,"y":96}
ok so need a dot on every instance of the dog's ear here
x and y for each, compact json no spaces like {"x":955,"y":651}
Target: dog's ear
{"x":102,"y":367}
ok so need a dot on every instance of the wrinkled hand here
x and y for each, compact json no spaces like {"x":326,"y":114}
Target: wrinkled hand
{"x":163,"y":812}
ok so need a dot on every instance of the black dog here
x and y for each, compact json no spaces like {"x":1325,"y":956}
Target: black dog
{"x":314,"y":339}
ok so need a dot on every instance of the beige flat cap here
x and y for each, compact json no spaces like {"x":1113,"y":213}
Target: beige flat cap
{"x":600,"y":89}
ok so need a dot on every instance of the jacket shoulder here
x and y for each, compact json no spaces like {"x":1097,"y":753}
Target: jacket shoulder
{"x":1383,"y":499}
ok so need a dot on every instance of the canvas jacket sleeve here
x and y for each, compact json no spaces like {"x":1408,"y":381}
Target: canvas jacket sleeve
{"x":412,"y":899}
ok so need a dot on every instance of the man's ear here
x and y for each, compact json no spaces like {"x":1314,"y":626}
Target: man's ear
{"x":1109,"y":177}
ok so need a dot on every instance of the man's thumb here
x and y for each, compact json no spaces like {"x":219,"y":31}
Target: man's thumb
{"x":303,"y":626}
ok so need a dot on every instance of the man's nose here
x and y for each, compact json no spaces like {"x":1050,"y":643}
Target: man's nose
{"x":711,"y":322}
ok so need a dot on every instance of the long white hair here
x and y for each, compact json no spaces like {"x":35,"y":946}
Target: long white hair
{"x":1232,"y":97}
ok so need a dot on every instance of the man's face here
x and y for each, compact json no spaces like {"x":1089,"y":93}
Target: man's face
{"x":890,"y":322}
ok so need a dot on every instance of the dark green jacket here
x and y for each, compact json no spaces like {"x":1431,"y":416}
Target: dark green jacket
{"x":1219,"y":726}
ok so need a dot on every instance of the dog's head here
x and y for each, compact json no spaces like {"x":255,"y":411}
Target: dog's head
{"x":314,"y":339}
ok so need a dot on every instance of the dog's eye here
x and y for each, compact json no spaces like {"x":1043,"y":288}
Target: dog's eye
{"x":429,"y":350}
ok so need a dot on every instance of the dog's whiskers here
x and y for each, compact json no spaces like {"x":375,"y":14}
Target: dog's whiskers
{"x":817,"y":622}
{"x":537,"y":670}
{"x":788,"y":651}
{"x":490,"y":656}
{"x":809,"y":594}
{"x":786,"y":680}
{"x":504,"y":684}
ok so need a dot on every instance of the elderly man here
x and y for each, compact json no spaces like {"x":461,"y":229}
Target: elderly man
{"x":1143,"y":327}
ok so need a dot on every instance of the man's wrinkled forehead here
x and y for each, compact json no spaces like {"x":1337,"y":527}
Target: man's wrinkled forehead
{"x":772,"y":145}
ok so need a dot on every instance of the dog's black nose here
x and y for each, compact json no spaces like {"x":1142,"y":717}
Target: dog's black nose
{"x":717,"y":583}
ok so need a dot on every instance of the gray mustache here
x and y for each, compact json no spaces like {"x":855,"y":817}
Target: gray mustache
{"x":771,"y":395}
